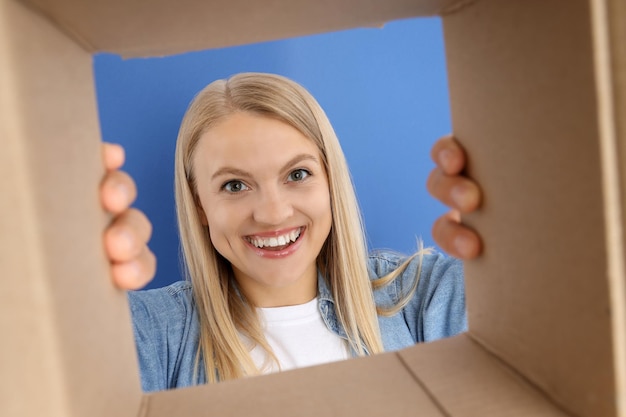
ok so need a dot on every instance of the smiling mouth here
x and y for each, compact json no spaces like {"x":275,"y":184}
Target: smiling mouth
{"x":276,"y":243}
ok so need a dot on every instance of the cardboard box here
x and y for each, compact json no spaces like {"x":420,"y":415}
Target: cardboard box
{"x":538,"y":93}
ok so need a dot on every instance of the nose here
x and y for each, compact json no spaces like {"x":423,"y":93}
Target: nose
{"x":272,"y":207}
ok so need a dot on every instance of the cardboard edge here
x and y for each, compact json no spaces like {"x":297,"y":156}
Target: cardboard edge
{"x":456,"y":7}
{"x":604,"y":20}
{"x":165,"y":50}
{"x":368,"y":387}
{"x":59,"y":24}
{"x":421,"y":383}
{"x":510,"y":368}
{"x":66,"y":24}
{"x":467,"y":380}
{"x":144,"y":405}
{"x":483,"y":386}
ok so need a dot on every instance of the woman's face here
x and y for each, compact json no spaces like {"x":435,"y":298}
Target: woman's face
{"x":264,"y":195}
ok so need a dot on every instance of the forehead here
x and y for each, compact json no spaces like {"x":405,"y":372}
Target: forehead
{"x":248,"y":140}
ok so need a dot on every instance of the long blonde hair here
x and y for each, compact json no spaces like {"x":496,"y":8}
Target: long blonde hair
{"x":223,"y":311}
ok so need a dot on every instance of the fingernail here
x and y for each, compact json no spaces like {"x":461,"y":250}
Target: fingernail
{"x":124,"y":191}
{"x":463,"y":245}
{"x":459,"y":196}
{"x":446,"y":157}
{"x":121,"y":196}
{"x":125,"y":241}
{"x":128,"y":275}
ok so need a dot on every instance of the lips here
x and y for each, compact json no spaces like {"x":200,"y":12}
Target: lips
{"x":276,"y":242}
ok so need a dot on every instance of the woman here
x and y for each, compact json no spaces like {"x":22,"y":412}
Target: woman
{"x":270,"y":228}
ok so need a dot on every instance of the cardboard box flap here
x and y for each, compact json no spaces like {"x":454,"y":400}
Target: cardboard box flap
{"x":609,"y":25}
{"x":546,"y":318}
{"x":365,"y":387}
{"x":67,"y":348}
{"x":524,"y":103}
{"x":466,"y":380}
{"x":160,"y":27}
{"x":454,"y":377}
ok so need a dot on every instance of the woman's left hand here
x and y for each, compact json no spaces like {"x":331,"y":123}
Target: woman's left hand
{"x":448,"y":184}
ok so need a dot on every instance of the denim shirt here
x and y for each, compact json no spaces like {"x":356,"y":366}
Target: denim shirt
{"x":166,"y":324}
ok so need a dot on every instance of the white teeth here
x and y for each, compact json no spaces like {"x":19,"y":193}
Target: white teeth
{"x":273,"y":242}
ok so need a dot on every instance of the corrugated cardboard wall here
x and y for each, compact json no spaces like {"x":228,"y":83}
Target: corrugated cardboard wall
{"x":524,"y":104}
{"x":67,"y":343}
{"x":162,"y":27}
{"x":523,"y":92}
{"x":609,"y":30}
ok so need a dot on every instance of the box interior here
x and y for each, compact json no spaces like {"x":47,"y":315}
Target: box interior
{"x":537,"y":92}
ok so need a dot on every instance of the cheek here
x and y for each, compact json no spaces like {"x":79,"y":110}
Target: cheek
{"x":217,"y":219}
{"x":219,"y":233}
{"x":321,"y":209}
{"x":327,"y":210}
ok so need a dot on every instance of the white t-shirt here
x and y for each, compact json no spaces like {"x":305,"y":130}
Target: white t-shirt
{"x":298,"y":338}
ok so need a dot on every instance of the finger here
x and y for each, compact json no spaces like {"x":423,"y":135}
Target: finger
{"x":448,"y":154}
{"x":456,"y":239}
{"x":117,"y":192}
{"x":128,"y":235}
{"x":454,"y":215}
{"x":113,"y":156}
{"x":135,"y":274}
{"x":457,"y":192}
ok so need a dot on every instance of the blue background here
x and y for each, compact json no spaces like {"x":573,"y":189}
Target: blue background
{"x":384,"y":90}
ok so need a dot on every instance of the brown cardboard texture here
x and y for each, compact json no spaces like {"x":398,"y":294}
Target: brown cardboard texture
{"x":538,"y":93}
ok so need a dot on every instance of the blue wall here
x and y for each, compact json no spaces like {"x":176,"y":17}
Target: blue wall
{"x":384,"y":90}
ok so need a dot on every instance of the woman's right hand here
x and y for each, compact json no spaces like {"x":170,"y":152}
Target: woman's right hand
{"x":448,"y":184}
{"x":133,"y":264}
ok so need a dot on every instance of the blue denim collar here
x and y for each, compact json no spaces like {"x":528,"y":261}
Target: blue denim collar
{"x":327,"y":307}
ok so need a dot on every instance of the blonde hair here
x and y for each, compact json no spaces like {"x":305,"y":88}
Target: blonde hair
{"x":223,"y":311}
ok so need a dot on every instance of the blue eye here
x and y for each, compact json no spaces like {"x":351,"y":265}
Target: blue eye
{"x":234,"y":186}
{"x":298,"y":175}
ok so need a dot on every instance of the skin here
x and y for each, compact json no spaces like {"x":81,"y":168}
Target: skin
{"x":126,"y":237}
{"x":447,"y":184}
{"x":259,"y":178}
{"x":133,"y":265}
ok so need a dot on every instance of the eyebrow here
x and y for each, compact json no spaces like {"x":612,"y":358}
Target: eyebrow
{"x":241,"y":173}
